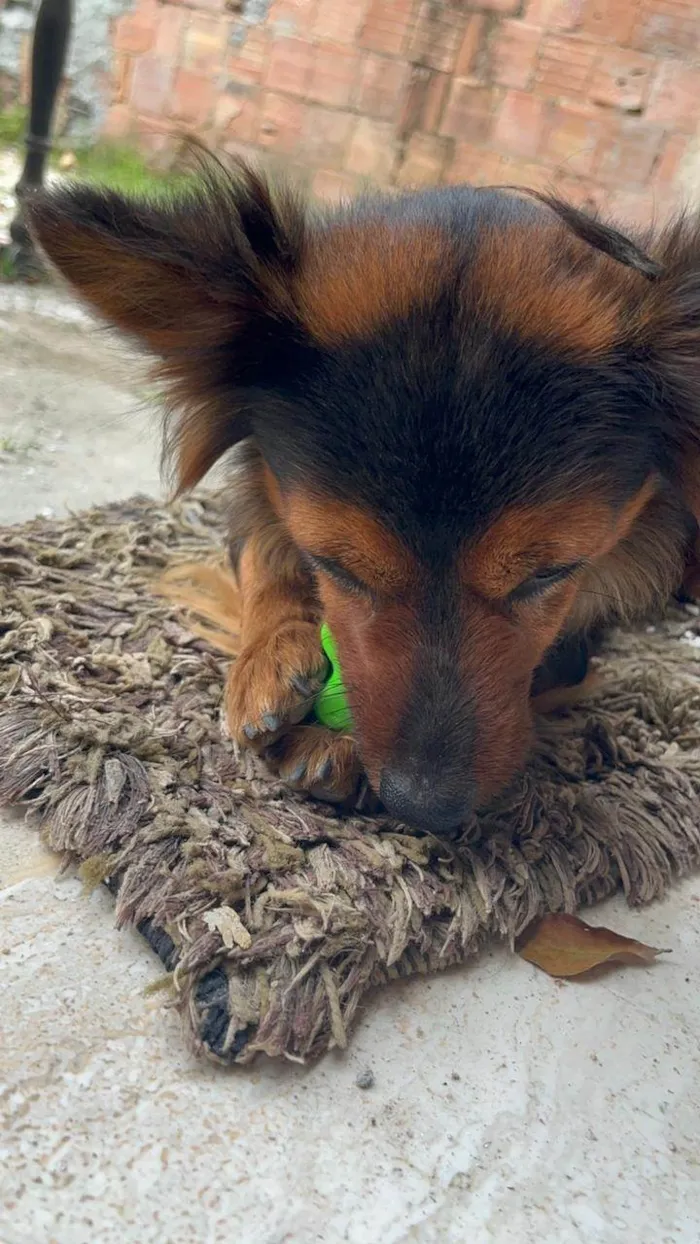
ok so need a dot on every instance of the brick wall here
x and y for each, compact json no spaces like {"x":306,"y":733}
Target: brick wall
{"x":598,"y":97}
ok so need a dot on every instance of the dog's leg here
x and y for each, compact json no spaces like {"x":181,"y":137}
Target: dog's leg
{"x":281,"y":667}
{"x":564,"y":677}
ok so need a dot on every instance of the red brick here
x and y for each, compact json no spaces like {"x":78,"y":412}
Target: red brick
{"x":675,"y":96}
{"x":151,"y":82}
{"x":121,"y":77}
{"x":243,"y":151}
{"x":333,"y":187}
{"x":423,"y":101}
{"x":289,"y":66}
{"x":424,"y":160}
{"x":193,"y":97}
{"x":212,"y":6}
{"x":204,"y":45}
{"x":561,"y":15}
{"x":437,"y":37}
{"x":488,"y":168}
{"x":340,"y":22}
{"x":248,"y":54}
{"x":371,"y":153}
{"x":520,"y":124}
{"x":572,"y":139}
{"x":581,"y":192}
{"x":325,"y":136}
{"x":291,"y":18}
{"x":566,"y":65}
{"x":472,"y":49}
{"x":135,"y":32}
{"x":171,"y":23}
{"x":334,"y":72}
{"x":118,"y":122}
{"x":157,"y":139}
{"x":387,"y":26}
{"x":513,"y":52}
{"x":237,"y":113}
{"x":628,"y":154}
{"x":611,"y":20}
{"x":634,"y":207}
{"x":474,"y":165}
{"x":668,"y":170}
{"x":381,"y":85}
{"x":281,"y":121}
{"x":526,"y":173}
{"x":500,"y":6}
{"x":622,"y":80}
{"x":469,"y":112}
{"x":25,"y":74}
{"x":668,"y":27}
{"x":434,"y":101}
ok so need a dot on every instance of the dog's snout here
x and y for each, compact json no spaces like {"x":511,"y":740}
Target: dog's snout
{"x":417,"y":801}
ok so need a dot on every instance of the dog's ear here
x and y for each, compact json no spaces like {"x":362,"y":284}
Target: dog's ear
{"x":203,"y":281}
{"x":670,"y":336}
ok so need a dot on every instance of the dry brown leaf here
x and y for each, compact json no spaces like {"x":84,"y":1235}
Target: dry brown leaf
{"x":566,"y":946}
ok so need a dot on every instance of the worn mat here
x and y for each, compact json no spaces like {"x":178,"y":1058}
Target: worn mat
{"x":275,"y":914}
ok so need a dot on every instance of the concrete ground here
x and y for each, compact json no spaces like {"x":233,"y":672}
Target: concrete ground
{"x":505,"y":1109}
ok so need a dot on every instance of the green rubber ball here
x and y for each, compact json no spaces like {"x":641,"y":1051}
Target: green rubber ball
{"x":331,"y":707}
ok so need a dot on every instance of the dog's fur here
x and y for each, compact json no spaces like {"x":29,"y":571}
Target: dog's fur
{"x":468,"y":434}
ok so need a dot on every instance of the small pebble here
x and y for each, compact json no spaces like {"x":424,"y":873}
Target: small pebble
{"x":365,"y":1080}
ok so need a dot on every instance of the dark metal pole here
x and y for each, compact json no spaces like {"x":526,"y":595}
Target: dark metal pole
{"x":49,"y":48}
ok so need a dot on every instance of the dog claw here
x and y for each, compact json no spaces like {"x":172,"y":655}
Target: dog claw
{"x":304,"y":687}
{"x":325,"y":770}
{"x":271,"y":722}
{"x":250,"y":731}
{"x":297,"y":774}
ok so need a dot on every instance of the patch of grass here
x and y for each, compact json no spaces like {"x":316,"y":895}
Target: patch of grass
{"x":7,"y":268}
{"x":123,"y":168}
{"x":13,"y":123}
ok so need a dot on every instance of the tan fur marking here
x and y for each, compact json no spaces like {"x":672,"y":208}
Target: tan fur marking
{"x":335,"y":529}
{"x":357,"y":277}
{"x":526,"y":538}
{"x":544,"y":285}
{"x":567,"y":697}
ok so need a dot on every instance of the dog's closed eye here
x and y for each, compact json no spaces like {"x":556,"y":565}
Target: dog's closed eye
{"x":540,"y":582}
{"x":341,"y":576}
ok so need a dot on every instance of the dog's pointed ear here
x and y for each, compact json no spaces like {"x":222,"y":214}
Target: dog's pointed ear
{"x":204,"y":281}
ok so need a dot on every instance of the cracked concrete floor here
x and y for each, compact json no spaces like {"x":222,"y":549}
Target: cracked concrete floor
{"x":506,"y":1108}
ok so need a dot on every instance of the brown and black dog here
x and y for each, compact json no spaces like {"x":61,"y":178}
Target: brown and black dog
{"x":468,"y":431}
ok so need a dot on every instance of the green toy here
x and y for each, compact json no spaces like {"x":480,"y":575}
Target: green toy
{"x":331,"y":707}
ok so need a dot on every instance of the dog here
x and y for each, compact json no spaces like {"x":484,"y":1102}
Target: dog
{"x":465,"y":426}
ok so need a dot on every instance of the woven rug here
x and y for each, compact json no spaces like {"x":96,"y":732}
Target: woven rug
{"x":275,"y":914}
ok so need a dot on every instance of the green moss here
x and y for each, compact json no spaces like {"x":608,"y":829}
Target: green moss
{"x":123,"y":168}
{"x":13,"y":123}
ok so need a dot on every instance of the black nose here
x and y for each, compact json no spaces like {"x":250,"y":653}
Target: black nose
{"x":417,"y":801}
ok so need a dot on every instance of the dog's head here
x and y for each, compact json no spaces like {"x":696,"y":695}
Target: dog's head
{"x":464,"y":400}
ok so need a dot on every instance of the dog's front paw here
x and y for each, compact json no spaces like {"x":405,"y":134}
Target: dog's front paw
{"x":273,"y":683}
{"x":320,"y":761}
